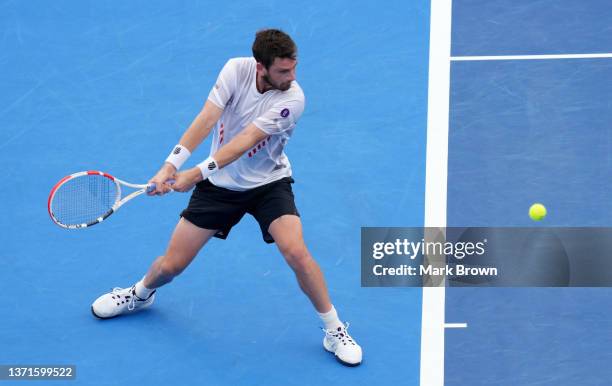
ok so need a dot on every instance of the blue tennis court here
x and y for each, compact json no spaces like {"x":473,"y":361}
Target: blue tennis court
{"x":111,"y":86}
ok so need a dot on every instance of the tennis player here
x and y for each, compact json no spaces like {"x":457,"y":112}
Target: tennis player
{"x":252,"y":110}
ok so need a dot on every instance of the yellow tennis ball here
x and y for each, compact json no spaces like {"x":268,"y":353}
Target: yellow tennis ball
{"x":537,"y":212}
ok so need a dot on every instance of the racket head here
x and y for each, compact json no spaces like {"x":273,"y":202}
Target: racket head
{"x":83,"y":199}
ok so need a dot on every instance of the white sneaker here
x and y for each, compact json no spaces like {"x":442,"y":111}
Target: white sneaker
{"x":340,"y":343}
{"x":120,"y":301}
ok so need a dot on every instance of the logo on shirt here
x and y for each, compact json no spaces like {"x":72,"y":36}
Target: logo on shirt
{"x":284,"y":113}
{"x":259,"y":147}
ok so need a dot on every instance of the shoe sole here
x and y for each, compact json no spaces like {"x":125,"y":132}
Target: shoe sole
{"x":341,"y":361}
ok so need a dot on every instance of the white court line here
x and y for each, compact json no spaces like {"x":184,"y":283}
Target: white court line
{"x":455,"y":325}
{"x":432,"y":321}
{"x":530,"y":57}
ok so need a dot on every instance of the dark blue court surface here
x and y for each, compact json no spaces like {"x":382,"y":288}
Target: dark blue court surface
{"x":111,"y":86}
{"x":528,"y":27}
{"x":523,"y":132}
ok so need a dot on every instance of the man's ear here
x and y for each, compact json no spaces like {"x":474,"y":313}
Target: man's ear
{"x":260,"y":68}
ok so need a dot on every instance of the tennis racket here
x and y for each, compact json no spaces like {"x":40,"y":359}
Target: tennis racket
{"x":83,"y":199}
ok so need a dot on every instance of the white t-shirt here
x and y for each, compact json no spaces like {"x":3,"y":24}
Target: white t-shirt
{"x":275,"y":112}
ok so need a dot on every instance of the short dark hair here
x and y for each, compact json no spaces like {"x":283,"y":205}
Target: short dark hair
{"x":273,"y":43}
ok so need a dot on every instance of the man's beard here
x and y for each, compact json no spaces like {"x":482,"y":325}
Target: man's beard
{"x":275,"y":86}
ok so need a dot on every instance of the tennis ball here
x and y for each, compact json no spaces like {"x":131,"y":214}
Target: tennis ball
{"x":537,"y":212}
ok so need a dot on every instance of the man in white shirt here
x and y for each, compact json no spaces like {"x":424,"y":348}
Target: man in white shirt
{"x":253,"y":109}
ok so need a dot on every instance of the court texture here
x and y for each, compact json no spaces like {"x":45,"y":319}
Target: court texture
{"x":417,"y":113}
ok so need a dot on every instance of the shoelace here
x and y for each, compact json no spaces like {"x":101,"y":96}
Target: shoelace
{"x":131,"y":298}
{"x":340,"y":334}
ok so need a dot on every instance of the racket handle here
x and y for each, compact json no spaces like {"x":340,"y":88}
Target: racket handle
{"x":152,"y":186}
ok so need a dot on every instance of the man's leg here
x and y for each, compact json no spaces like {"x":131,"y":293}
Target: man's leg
{"x":184,"y":245}
{"x":187,"y":240}
{"x":287,"y":234}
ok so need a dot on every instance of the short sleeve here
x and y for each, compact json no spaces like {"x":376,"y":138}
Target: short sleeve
{"x":225,"y":85}
{"x":281,"y":117}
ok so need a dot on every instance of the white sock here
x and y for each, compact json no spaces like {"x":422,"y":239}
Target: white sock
{"x":330,"y":318}
{"x":142,"y":291}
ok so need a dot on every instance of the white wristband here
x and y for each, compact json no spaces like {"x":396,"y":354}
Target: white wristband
{"x":178,"y":156}
{"x":208,"y":167}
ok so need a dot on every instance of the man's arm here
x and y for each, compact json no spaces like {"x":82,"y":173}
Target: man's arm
{"x":235,"y":148}
{"x":191,"y":139}
{"x":227,"y":154}
{"x":201,"y":126}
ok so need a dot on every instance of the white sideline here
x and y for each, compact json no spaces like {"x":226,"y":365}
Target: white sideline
{"x":432,"y":322}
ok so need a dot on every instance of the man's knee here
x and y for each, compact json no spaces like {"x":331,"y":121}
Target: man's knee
{"x":170,"y":268}
{"x":297,"y":256}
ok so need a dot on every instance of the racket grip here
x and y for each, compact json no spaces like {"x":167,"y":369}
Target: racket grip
{"x":152,"y":186}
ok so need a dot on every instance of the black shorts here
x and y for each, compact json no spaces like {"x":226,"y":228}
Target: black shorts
{"x":213,"y":207}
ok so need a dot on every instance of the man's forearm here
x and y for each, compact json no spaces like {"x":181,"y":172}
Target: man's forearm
{"x":248,"y":138}
{"x":201,"y":126}
{"x":230,"y":152}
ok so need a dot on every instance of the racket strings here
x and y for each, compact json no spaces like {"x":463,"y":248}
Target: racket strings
{"x":84,"y":199}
